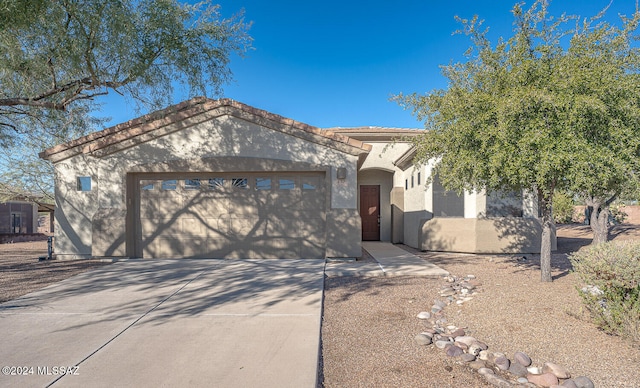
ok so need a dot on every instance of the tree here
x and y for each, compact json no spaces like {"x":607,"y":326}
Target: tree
{"x":529,"y":113}
{"x":56,"y":56}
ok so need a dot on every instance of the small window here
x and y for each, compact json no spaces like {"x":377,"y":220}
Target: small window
{"x":412,"y":181}
{"x":263,"y":183}
{"x":169,"y":184}
{"x":216,"y":184}
{"x":239,"y":183}
{"x":406,"y":184}
{"x":418,"y":178}
{"x":310,"y":183}
{"x":192,"y":184}
{"x":148,"y":186}
{"x":84,"y":183}
{"x":286,"y":184}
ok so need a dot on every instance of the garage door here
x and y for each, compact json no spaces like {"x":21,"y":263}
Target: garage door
{"x":239,"y":215}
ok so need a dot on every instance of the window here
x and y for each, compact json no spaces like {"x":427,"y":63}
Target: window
{"x":263,"y":183}
{"x":83,"y":183}
{"x":145,"y":185}
{"x":412,"y":181}
{"x":418,"y":178}
{"x":446,"y":203}
{"x":169,"y":184}
{"x":406,"y":184}
{"x":286,"y":184}
{"x":216,"y":184}
{"x":191,"y":184}
{"x":504,"y":204}
{"x":310,"y":183}
{"x":239,"y":183}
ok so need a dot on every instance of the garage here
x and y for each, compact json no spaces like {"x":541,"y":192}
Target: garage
{"x":231,"y":215}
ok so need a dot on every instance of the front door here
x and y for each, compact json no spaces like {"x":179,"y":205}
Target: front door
{"x":370,"y":212}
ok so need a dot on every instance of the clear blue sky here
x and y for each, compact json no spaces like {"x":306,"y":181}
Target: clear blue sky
{"x":336,"y":63}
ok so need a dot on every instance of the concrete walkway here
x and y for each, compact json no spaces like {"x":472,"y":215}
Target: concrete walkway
{"x":169,"y":323}
{"x":390,"y":261}
{"x":178,"y":323}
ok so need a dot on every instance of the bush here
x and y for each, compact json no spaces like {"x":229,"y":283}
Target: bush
{"x":617,"y":213}
{"x":562,"y":208}
{"x":611,"y":273}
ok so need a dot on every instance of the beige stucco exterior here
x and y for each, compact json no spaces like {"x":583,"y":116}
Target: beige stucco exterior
{"x":101,"y":222}
{"x":205,"y":139}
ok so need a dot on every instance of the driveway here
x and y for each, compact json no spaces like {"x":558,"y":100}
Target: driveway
{"x":218,"y":323}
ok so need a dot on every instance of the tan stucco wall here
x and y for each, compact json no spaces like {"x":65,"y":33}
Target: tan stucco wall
{"x":490,"y":235}
{"x":224,"y":136}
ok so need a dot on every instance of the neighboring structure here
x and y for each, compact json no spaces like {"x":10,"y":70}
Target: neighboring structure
{"x":18,"y":217}
{"x":217,"y":178}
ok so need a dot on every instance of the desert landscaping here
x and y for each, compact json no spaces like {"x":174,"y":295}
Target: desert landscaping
{"x":370,"y":324}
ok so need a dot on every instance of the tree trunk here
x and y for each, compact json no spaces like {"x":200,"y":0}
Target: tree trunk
{"x":545,"y":244}
{"x":599,"y":219}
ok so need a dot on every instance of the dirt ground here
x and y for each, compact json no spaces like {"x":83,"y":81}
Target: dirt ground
{"x":21,"y":272}
{"x":369,"y":324}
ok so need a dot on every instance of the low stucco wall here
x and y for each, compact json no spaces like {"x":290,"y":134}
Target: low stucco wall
{"x":476,"y":235}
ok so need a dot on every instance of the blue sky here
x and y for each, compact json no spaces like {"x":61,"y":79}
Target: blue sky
{"x":336,"y":63}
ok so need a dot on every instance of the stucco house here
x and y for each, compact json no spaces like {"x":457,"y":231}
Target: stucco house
{"x":218,"y":178}
{"x":18,"y":216}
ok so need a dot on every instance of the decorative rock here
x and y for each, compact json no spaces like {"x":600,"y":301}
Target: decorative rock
{"x":440,"y":303}
{"x":465,"y":339}
{"x":497,"y":381}
{"x":461,"y":345}
{"x":482,"y":345}
{"x":559,"y":371}
{"x":424,"y":315}
{"x":583,"y":382}
{"x":466,"y":357}
{"x":484,"y":355}
{"x":502,"y":362}
{"x":517,"y":369}
{"x":436,"y":309}
{"x":459,"y":332}
{"x":543,"y":380}
{"x":522,"y":359}
{"x":423,"y":339}
{"x":534,"y":370}
{"x":454,"y":351}
{"x":477,"y":364}
{"x":486,"y":371}
{"x":441,"y":344}
{"x":522,"y":380}
{"x":569,"y":383}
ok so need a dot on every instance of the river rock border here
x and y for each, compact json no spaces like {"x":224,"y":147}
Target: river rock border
{"x":495,"y":367}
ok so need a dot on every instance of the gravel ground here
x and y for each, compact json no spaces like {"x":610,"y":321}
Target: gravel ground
{"x":21,"y":272}
{"x":369,"y":323}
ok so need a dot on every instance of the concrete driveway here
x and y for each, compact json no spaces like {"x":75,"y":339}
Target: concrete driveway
{"x":169,"y":323}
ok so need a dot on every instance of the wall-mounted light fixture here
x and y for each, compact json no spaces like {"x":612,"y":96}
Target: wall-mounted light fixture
{"x":341,"y":173}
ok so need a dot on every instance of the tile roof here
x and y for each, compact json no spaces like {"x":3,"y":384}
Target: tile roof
{"x":149,"y":126}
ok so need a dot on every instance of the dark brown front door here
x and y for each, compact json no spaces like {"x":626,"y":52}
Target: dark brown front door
{"x":370,"y":212}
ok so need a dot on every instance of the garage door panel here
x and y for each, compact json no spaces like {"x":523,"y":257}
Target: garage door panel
{"x":241,"y":216}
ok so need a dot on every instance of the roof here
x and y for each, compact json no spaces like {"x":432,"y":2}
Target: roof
{"x":376,"y":133}
{"x":189,"y":113}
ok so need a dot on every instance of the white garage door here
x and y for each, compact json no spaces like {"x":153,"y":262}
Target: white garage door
{"x":239,"y":215}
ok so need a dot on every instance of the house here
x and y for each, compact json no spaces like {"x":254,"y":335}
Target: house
{"x":18,"y":216}
{"x":218,"y":178}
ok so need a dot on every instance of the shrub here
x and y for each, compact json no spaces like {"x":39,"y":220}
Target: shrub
{"x":611,"y":273}
{"x":562,"y":208}
{"x":618,"y":215}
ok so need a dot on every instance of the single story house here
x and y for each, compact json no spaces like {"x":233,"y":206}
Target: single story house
{"x":218,"y":178}
{"x":18,"y":216}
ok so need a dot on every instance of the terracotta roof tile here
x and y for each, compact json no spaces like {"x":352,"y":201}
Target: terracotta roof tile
{"x":176,"y":113}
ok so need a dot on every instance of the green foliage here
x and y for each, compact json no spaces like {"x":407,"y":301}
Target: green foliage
{"x":612,"y":273}
{"x":554,"y":107}
{"x":562,"y":208}
{"x":618,"y":215}
{"x":56,"y":56}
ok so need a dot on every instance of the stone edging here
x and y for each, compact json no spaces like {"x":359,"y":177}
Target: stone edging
{"x":496,"y":367}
